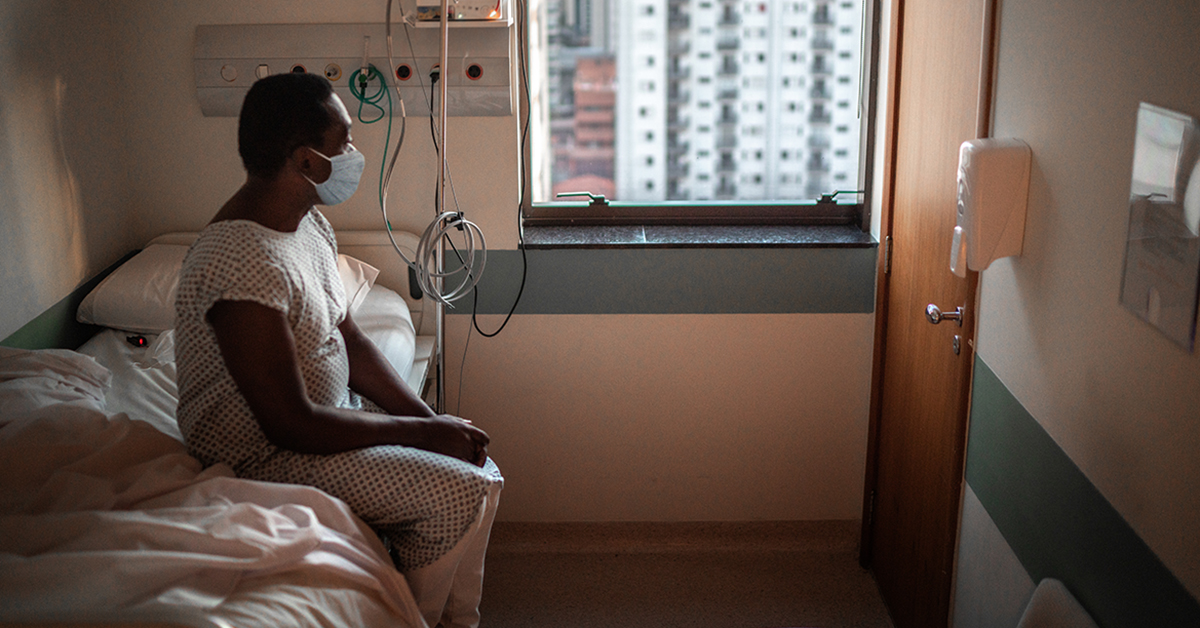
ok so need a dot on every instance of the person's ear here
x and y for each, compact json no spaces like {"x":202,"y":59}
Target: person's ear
{"x":310,"y":165}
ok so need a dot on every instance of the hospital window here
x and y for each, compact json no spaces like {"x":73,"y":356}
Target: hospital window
{"x":708,"y":91}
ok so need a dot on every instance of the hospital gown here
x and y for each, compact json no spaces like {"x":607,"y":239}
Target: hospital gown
{"x":423,"y":502}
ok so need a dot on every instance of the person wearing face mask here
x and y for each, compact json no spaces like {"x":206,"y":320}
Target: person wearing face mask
{"x":278,"y":382}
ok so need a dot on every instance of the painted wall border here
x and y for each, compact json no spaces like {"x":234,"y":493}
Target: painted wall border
{"x":679,"y":281}
{"x":1058,"y":523}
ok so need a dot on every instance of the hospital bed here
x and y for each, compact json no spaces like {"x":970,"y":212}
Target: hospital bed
{"x":105,"y":519}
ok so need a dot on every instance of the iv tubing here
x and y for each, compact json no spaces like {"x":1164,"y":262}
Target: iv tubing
{"x":429,"y":272}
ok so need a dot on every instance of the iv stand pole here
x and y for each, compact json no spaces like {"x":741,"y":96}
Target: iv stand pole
{"x":440,"y":255}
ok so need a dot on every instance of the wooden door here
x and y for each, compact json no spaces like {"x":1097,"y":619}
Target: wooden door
{"x":922,"y":382}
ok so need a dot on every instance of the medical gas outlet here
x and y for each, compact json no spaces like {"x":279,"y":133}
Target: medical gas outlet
{"x":228,"y":59}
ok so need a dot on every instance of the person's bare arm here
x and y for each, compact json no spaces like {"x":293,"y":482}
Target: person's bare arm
{"x":372,"y":376}
{"x":259,"y":350}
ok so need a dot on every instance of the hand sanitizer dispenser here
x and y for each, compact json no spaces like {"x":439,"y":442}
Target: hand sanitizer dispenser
{"x":993,"y":189}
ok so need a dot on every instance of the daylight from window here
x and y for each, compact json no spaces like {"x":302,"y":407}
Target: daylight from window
{"x":697,"y":100}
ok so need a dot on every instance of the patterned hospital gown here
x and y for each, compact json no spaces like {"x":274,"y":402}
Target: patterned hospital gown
{"x":423,"y":502}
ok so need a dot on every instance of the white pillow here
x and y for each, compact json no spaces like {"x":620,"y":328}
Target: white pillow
{"x":357,"y":278}
{"x":140,"y":295}
{"x":385,"y":319}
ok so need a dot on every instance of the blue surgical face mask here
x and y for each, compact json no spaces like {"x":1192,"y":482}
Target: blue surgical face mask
{"x":345,"y":171}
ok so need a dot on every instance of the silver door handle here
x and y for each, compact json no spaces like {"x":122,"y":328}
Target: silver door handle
{"x":936,"y":316}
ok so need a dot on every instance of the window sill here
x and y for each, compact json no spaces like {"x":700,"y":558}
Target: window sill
{"x":698,"y":236}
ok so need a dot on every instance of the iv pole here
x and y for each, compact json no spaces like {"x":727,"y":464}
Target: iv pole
{"x":440,"y":255}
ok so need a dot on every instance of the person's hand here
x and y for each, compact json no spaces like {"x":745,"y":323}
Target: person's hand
{"x":452,"y":436}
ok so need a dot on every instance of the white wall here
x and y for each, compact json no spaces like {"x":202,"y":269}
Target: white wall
{"x":64,"y":175}
{"x":190,"y":164}
{"x":672,"y":417}
{"x":628,"y":417}
{"x":1118,"y":397}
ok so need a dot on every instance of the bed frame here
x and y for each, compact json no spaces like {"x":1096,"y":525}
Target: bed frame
{"x":56,"y":328}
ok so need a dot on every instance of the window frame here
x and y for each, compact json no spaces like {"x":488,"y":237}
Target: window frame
{"x":823,"y":211}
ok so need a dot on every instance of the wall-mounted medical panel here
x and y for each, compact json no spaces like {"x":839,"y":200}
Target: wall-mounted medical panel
{"x":230,"y":58}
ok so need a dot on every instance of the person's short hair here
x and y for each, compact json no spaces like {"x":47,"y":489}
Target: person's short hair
{"x":281,"y":113}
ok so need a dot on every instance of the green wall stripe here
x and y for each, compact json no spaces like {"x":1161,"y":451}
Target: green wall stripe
{"x":680,"y":281}
{"x":1058,"y":523}
{"x":56,"y":328}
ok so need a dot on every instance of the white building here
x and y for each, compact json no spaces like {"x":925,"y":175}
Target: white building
{"x":736,"y":100}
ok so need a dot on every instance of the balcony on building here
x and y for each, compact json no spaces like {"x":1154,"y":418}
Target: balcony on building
{"x":821,"y":16}
{"x":817,"y":164}
{"x":675,"y":122}
{"x":725,"y":192}
{"x":677,"y":95}
{"x":729,"y":43}
{"x":821,"y":42}
{"x":678,"y":73}
{"x":678,"y":21}
{"x":674,"y":193}
{"x":728,"y":68}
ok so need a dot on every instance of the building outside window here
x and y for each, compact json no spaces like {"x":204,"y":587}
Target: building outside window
{"x":607,"y":132}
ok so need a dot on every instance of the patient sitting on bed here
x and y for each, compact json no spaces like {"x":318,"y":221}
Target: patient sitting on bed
{"x":277,"y":381}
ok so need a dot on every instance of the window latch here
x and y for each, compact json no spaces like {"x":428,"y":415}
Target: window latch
{"x":830,"y":199}
{"x":597,"y":200}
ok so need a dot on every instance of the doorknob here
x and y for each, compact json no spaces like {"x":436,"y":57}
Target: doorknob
{"x":936,"y":316}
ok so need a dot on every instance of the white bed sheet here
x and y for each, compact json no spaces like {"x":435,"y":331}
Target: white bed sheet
{"x":107,"y":519}
{"x":144,"y":377}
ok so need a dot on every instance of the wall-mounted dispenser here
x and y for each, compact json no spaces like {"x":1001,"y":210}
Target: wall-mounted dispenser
{"x":229,"y":58}
{"x":993,"y":190}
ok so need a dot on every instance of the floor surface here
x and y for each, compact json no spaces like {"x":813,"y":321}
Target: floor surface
{"x":694,"y":575}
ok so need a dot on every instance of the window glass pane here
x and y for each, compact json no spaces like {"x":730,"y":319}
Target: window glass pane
{"x":716,"y":100}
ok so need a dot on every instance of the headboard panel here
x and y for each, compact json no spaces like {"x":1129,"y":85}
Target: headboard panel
{"x":56,"y":328}
{"x":374,"y":248}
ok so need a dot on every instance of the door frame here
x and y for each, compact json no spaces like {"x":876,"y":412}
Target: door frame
{"x":882,"y":286}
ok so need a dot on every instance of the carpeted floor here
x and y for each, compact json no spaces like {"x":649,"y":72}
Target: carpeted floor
{"x":693,"y":575}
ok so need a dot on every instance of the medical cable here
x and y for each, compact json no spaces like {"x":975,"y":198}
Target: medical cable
{"x":359,"y":81}
{"x":522,"y":45}
{"x":425,"y":264}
